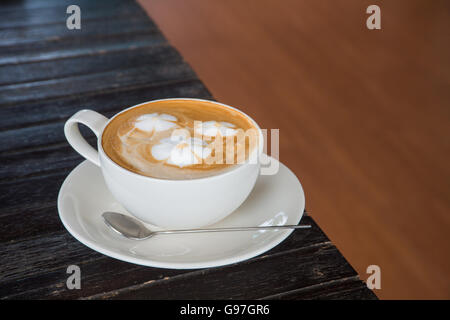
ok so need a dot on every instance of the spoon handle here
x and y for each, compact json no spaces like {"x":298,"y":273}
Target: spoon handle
{"x":302,"y":226}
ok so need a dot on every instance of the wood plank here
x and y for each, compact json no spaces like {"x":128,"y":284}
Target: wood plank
{"x":66,"y":48}
{"x":39,"y":221}
{"x":31,"y":72}
{"x":54,"y":158}
{"x":266,"y":275}
{"x":11,"y":117}
{"x":357,"y":293}
{"x":31,"y":193}
{"x":95,"y":82}
{"x":45,"y":133}
{"x":351,"y":288}
{"x":23,"y":259}
{"x":91,"y":30}
{"x":10,"y":6}
{"x":99,"y":273}
{"x":21,"y":17}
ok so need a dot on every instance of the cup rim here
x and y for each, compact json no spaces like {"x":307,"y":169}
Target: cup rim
{"x":217,"y":176}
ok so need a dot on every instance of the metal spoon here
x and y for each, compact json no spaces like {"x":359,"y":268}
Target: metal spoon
{"x":134,"y":229}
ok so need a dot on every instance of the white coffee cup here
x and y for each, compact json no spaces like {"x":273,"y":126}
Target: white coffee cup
{"x":161,"y":202}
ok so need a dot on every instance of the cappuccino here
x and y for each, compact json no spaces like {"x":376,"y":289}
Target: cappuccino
{"x":180,"y":139}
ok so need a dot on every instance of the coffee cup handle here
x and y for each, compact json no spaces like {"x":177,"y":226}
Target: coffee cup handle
{"x":94,"y":121}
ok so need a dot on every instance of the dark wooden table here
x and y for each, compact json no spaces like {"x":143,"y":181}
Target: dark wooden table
{"x":119,"y":58}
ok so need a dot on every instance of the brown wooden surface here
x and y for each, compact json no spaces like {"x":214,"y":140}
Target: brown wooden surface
{"x":118,"y":59}
{"x":364,"y":116}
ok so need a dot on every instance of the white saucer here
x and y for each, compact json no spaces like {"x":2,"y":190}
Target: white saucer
{"x":275,"y":200}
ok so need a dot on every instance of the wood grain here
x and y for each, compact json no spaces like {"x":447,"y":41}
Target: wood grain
{"x":92,"y":29}
{"x":306,"y":265}
{"x":62,"y":108}
{"x":55,"y":13}
{"x":76,"y":47}
{"x":107,"y":61}
{"x":363,"y":115}
{"x":94,"y":82}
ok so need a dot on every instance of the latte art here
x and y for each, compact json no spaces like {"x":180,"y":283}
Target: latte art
{"x":155,"y":122}
{"x":214,"y":128}
{"x":181,"y":151}
{"x":179,"y":139}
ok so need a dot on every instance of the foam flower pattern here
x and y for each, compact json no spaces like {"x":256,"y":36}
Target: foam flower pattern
{"x":181,"y":151}
{"x":215,"y":128}
{"x":155,"y":122}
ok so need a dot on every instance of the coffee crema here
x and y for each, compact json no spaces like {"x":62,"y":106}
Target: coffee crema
{"x":180,"y":139}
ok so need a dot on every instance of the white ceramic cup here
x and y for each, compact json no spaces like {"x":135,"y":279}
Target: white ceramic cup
{"x":167,"y":203}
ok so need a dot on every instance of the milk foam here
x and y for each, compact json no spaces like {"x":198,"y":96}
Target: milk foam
{"x":155,"y":122}
{"x":181,"y":151}
{"x":214,"y":128}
